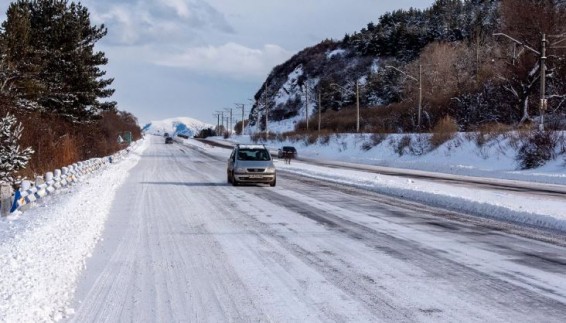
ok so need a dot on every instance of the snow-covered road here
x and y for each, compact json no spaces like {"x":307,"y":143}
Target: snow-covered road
{"x":181,"y":245}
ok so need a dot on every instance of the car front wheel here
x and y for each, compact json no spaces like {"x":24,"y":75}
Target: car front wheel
{"x":234,"y":181}
{"x":273,"y":182}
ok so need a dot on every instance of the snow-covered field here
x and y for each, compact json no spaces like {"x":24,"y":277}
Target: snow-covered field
{"x":460,"y":156}
{"x":39,"y":269}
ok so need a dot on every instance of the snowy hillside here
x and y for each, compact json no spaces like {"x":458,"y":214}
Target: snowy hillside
{"x":176,"y":126}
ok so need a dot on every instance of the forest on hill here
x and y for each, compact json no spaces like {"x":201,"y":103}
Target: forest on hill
{"x":476,"y":62}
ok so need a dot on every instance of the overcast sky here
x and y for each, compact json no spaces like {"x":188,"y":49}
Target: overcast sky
{"x":190,"y":58}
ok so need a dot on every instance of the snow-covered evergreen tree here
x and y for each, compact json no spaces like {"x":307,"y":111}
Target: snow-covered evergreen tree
{"x":48,"y":57}
{"x":12,"y":157}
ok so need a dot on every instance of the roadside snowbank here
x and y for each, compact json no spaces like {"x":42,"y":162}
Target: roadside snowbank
{"x":523,"y":208}
{"x":43,"y":253}
{"x":39,"y":269}
{"x":460,"y":156}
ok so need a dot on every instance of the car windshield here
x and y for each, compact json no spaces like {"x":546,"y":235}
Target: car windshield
{"x":253,"y":154}
{"x":286,"y":148}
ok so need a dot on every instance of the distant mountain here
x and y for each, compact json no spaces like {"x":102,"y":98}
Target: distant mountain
{"x":183,"y":126}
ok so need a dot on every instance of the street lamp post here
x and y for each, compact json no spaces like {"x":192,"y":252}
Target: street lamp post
{"x":420,"y":82}
{"x":357,"y":93}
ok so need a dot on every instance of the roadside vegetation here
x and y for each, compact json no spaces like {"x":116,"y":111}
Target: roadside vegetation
{"x":459,"y":70}
{"x":52,"y":81}
{"x":471,"y":67}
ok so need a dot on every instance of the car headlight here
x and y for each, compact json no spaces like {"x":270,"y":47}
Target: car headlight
{"x":270,"y":170}
{"x":240,"y":170}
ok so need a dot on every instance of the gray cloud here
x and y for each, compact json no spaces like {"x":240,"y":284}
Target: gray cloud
{"x":231,"y":60}
{"x":204,"y":14}
{"x":157,"y":21}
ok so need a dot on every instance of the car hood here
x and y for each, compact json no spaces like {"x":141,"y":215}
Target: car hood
{"x":254,"y":164}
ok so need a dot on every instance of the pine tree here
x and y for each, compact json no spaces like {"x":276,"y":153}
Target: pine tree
{"x":59,"y":41}
{"x":18,"y":64}
{"x":12,"y":157}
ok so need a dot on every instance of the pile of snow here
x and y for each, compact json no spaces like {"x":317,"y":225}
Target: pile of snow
{"x":454,"y":157}
{"x":183,"y":126}
{"x":459,"y":156}
{"x":43,"y":253}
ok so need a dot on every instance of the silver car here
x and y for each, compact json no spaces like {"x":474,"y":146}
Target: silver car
{"x":251,"y":164}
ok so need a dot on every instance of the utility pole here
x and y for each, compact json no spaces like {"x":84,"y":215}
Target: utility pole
{"x":242,"y":132}
{"x":357,"y":107}
{"x":217,"y":121}
{"x":222,"y":118}
{"x":307,"y":103}
{"x":477,"y":55}
{"x":242,"y":106}
{"x":319,"y":106}
{"x":357,"y":93}
{"x":542,"y":55}
{"x":420,"y":82}
{"x":542,"y":82}
{"x":420,"y":96}
{"x":229,"y":120}
{"x":266,"y":109}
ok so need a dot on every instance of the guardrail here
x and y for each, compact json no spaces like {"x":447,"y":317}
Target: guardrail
{"x":29,"y":191}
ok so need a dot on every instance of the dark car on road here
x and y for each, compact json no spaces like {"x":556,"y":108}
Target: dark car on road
{"x":168,"y":140}
{"x":287,"y":151}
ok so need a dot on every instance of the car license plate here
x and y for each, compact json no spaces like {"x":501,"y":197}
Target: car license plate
{"x":255,"y":176}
